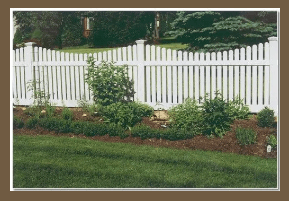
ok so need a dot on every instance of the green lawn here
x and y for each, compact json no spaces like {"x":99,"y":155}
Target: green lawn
{"x":62,"y":162}
{"x":85,"y":49}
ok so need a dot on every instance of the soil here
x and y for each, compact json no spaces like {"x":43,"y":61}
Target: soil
{"x":226,"y":144}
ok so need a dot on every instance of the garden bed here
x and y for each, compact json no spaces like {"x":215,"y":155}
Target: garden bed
{"x":228,"y":143}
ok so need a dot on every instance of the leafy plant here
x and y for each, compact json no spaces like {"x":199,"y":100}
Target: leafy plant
{"x":92,"y":109}
{"x":17,"y":122}
{"x":187,"y":116}
{"x":143,"y":132}
{"x":272,"y":141}
{"x":237,"y":109}
{"x":125,"y":114}
{"x":109,"y":83}
{"x":246,"y":136}
{"x":216,"y":116}
{"x":266,"y":118}
{"x":32,"y":122}
{"x":67,"y":114}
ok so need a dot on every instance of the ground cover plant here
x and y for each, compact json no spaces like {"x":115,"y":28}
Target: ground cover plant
{"x":62,"y":162}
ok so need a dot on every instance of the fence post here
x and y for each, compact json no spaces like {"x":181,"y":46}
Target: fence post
{"x":274,"y":72}
{"x":28,"y":56}
{"x":140,"y":70}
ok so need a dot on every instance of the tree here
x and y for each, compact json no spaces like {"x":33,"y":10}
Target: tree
{"x":112,"y":28}
{"x":50,"y":28}
{"x":217,"y":31}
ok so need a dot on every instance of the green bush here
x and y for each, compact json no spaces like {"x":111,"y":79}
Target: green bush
{"x":237,"y":109}
{"x":174,"y":133}
{"x":266,"y":118}
{"x":33,"y":111}
{"x":216,"y":116}
{"x":125,"y":114}
{"x":109,"y":83}
{"x":187,"y":116}
{"x":32,"y":122}
{"x":17,"y":122}
{"x":272,"y":141}
{"x":143,"y":132}
{"x":56,"y":124}
{"x":77,"y":127}
{"x":67,"y":114}
{"x":116,"y":130}
{"x":246,"y":136}
{"x":50,"y":110}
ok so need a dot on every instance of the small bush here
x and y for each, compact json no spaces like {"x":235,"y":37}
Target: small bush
{"x":187,"y":116}
{"x":33,"y":111}
{"x":266,"y":118}
{"x":272,"y":141}
{"x":246,"y":136}
{"x":216,"y":116}
{"x":78,"y":126}
{"x":56,"y":124}
{"x":67,"y":114}
{"x":125,"y":114}
{"x":50,"y":110}
{"x":143,"y":132}
{"x":116,"y":130}
{"x":237,"y":109}
{"x":109,"y":83}
{"x":17,"y":122}
{"x":32,"y":122}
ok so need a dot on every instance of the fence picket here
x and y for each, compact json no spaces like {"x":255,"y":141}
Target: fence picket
{"x":219,"y":73}
{"x":175,"y":82}
{"x":237,"y":76}
{"x":260,"y":76}
{"x":72,"y":73}
{"x":148,"y":75}
{"x":267,"y":76}
{"x":191,"y":77}
{"x":164,"y":78}
{"x":242,"y":76}
{"x":180,"y":79}
{"x":231,"y":78}
{"x":225,"y":77}
{"x":185,"y":81}
{"x":213,"y":75}
{"x":254,"y":77}
{"x":248,"y":77}
{"x":202,"y":77}
{"x":169,"y":76}
{"x":208,"y":76}
{"x":197,"y":78}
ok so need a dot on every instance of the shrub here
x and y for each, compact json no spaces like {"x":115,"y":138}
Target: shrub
{"x":17,"y":122}
{"x":116,"y":130}
{"x":33,"y":111}
{"x":32,"y":122}
{"x":67,"y":114}
{"x":77,"y":127}
{"x":91,"y":109}
{"x":237,"y":109}
{"x":246,"y":136}
{"x":125,"y":114}
{"x":187,"y":116}
{"x":272,"y":141}
{"x":216,"y":116}
{"x":143,"y":132}
{"x":50,"y":110}
{"x":56,"y":124}
{"x":265,"y":118}
{"x":109,"y":83}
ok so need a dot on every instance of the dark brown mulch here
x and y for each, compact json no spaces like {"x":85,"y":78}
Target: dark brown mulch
{"x":226,"y":144}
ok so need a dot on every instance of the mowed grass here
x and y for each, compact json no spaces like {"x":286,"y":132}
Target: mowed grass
{"x":63,"y":162}
{"x":85,"y":49}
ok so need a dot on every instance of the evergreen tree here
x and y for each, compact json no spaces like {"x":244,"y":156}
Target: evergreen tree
{"x":217,"y":31}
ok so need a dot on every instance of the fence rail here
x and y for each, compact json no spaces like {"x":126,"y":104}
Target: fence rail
{"x":162,"y":77}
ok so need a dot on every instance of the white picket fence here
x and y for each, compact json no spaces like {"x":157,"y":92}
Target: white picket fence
{"x":162,"y":77}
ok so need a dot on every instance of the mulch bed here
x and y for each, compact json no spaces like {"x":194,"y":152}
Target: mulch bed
{"x":226,"y":144}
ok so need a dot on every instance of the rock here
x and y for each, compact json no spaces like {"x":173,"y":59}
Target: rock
{"x":84,"y":115}
{"x":43,"y":111}
{"x":24,"y":108}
